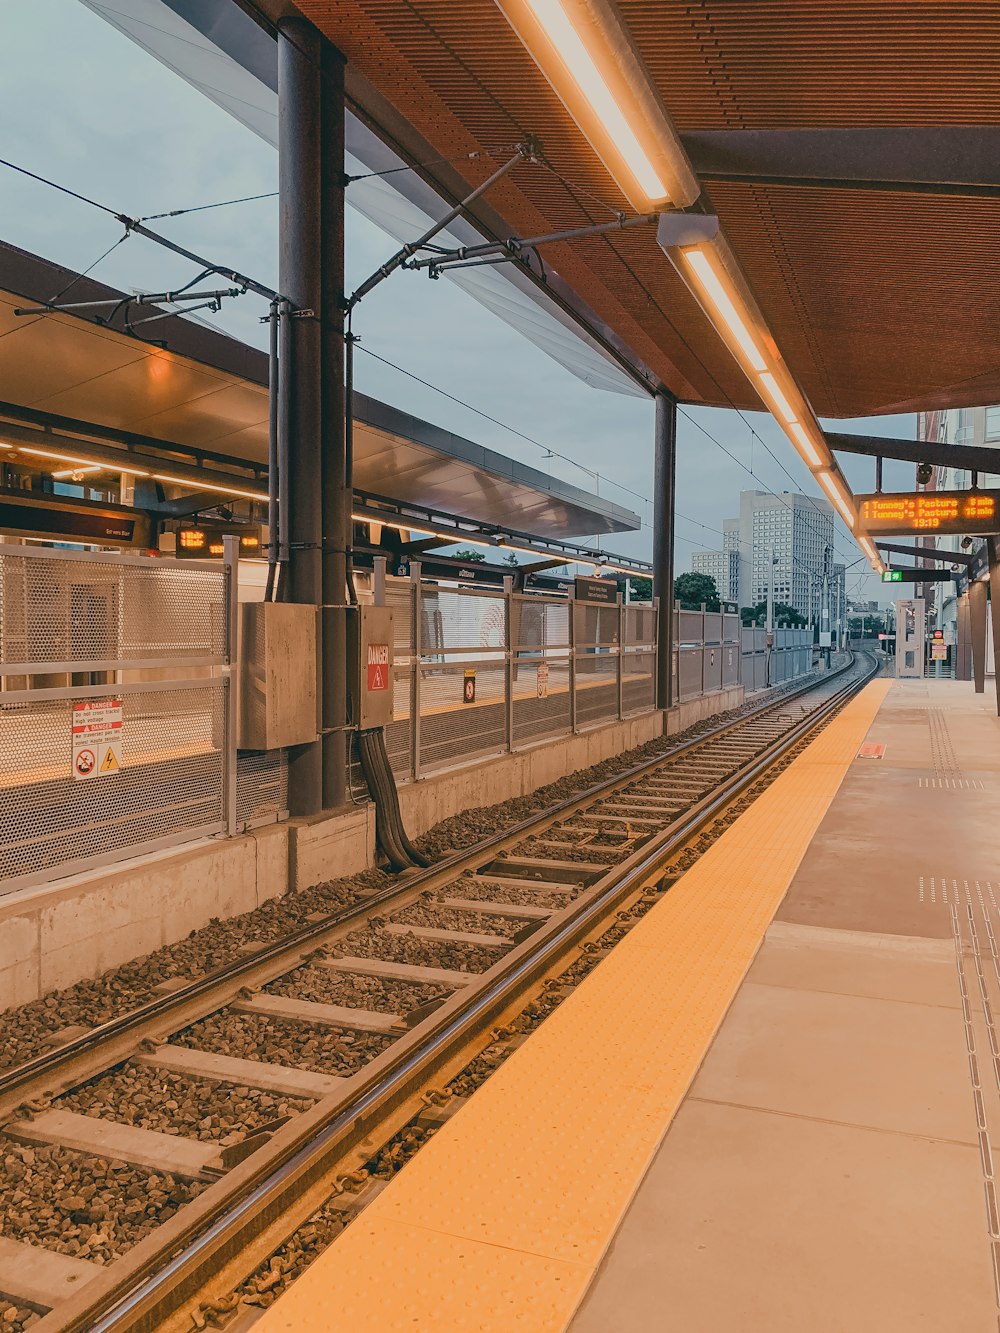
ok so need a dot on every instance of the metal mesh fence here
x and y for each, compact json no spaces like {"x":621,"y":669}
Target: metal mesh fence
{"x":261,"y":787}
{"x":542,"y":703}
{"x":452,"y":730}
{"x":104,"y":612}
{"x":146,"y":644}
{"x":170,"y":781}
{"x":482,"y":671}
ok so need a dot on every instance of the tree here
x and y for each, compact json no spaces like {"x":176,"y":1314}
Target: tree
{"x":870,"y":624}
{"x":642,"y":589}
{"x":466,"y":554}
{"x":784,"y":615}
{"x":510,"y":559}
{"x":693,"y":589}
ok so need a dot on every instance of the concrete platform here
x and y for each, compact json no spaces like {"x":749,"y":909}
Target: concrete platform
{"x":826,"y":1170}
{"x":772,"y":1203}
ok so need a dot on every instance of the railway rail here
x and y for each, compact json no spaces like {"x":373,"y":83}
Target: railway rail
{"x":446,"y":953}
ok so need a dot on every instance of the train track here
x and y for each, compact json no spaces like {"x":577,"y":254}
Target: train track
{"x":446,"y":953}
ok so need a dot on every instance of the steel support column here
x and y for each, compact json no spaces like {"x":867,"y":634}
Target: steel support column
{"x":977,"y":628}
{"x":963,"y":655}
{"x":665,"y":468}
{"x":993,"y":548}
{"x":311,"y":276}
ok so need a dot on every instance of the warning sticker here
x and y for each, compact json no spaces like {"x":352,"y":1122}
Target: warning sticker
{"x":97,"y":738}
{"x":378,"y":666}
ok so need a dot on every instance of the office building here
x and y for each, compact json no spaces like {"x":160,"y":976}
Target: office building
{"x":792,"y":529}
{"x":723,"y":567}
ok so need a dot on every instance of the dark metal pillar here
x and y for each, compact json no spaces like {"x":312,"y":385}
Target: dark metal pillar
{"x":977,"y":629}
{"x":664,"y":478}
{"x":993,"y":548}
{"x":311,"y":275}
{"x":963,"y":650}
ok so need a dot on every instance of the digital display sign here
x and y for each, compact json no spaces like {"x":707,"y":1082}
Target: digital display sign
{"x":945,"y":513}
{"x":204,"y":542}
{"x":892,"y":576}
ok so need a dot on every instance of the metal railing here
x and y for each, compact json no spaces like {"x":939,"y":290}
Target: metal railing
{"x":117,"y":712}
{"x":142,"y":652}
{"x":488,"y":671}
{"x":788,"y":656}
{"x":706,"y":652}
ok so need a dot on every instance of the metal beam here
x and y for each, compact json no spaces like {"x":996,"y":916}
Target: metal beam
{"x":959,"y":160}
{"x":976,"y":458}
{"x":926,"y":553}
{"x":11,"y":413}
{"x":664,"y":490}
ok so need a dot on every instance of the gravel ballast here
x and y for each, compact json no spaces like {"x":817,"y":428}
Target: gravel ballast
{"x":384,"y":995}
{"x":87,"y":1207}
{"x":424,"y":953}
{"x":281,"y":1042}
{"x":196,"y":1108}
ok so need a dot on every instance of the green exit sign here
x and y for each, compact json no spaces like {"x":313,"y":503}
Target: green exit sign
{"x":892,"y":576}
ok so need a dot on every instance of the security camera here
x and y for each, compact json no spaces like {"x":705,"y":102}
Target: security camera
{"x":924,"y":473}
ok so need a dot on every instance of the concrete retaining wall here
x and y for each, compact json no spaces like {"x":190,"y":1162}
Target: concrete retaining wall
{"x":80,"y":926}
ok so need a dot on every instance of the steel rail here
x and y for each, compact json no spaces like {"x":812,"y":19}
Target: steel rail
{"x":141,"y":1290}
{"x":55,"y":1071}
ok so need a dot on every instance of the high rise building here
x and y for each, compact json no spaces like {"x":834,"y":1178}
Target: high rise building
{"x":791,"y":529}
{"x":723,"y":567}
{"x":973,"y":426}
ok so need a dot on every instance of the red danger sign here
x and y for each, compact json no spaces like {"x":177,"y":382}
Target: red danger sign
{"x":378,"y":666}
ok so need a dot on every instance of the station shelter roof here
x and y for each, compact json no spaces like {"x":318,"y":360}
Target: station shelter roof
{"x":205,"y":393}
{"x":849,"y":149}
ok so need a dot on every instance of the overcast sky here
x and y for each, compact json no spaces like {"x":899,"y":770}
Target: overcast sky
{"x":84,"y":106}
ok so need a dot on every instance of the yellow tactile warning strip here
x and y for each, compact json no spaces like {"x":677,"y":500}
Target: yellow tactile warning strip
{"x":500,"y":1222}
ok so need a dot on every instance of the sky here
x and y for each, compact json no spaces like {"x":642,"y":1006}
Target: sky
{"x":85,"y":107}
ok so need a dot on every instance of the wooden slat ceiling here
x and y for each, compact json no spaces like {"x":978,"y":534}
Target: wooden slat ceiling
{"x":880,"y":301}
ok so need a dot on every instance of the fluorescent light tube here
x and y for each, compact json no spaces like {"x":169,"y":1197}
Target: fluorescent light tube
{"x":770,"y":386}
{"x":718,"y":297}
{"x":801,"y":438}
{"x":593,"y":88}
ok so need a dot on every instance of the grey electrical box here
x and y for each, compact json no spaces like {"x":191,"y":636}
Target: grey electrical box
{"x":370,"y":662}
{"x":277,"y":675}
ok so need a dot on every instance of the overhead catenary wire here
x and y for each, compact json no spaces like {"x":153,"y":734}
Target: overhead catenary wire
{"x":134,"y":224}
{"x":204,"y":208}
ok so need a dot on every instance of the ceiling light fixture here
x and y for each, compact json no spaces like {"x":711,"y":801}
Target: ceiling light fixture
{"x":837,"y":493}
{"x":215,"y":487}
{"x":588,"y":58}
{"x":80,"y":462}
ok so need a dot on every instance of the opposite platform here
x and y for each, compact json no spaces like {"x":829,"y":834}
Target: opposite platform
{"x":500,"y":1222}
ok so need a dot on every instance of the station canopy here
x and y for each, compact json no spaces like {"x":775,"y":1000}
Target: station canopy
{"x":849,"y":149}
{"x":203,"y":398}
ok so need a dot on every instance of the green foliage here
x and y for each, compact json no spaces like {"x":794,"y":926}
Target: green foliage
{"x":871,"y":624}
{"x":785,"y":616}
{"x":476,"y":556}
{"x":642,"y":589}
{"x":691,"y":590}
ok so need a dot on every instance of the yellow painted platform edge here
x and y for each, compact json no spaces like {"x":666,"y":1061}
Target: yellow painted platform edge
{"x":525,"y":1187}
